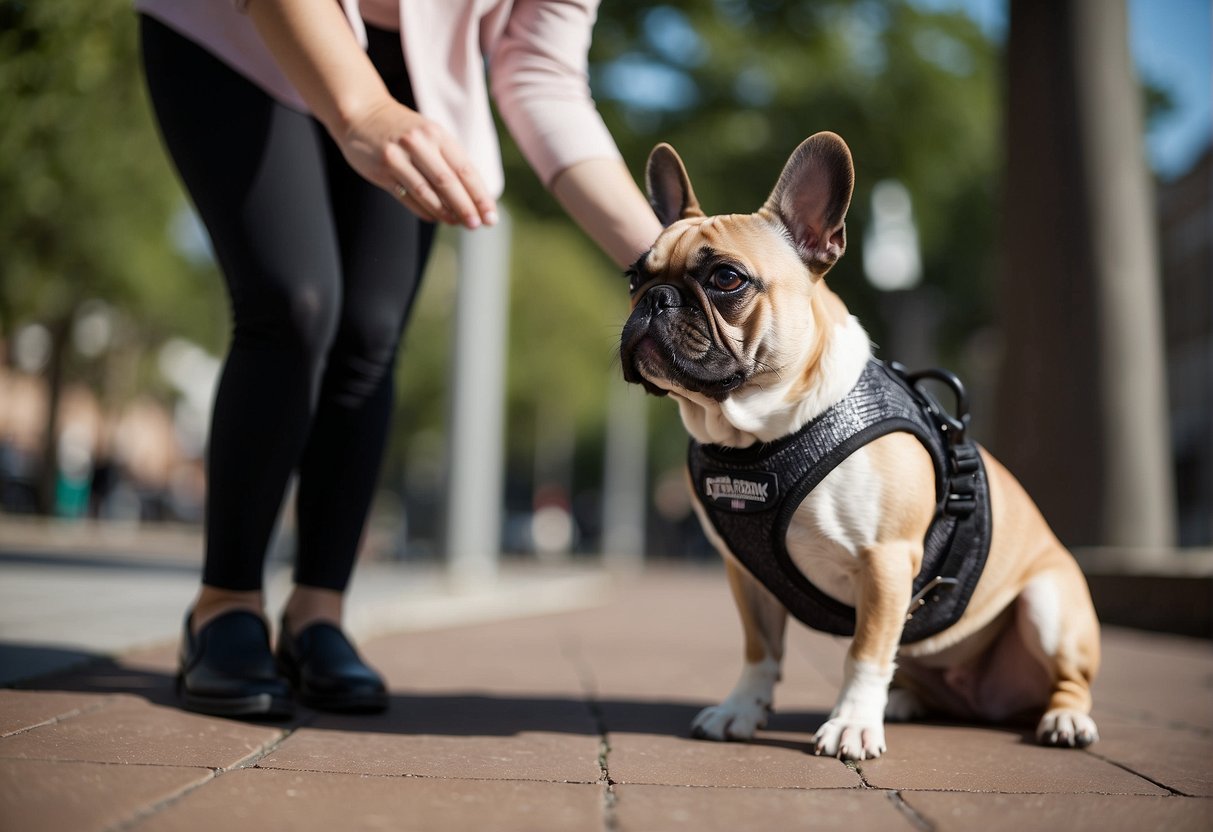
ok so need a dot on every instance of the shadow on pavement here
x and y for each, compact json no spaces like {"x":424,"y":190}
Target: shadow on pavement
{"x":28,"y":661}
{"x":103,"y":675}
{"x":477,"y":714}
{"x":455,"y":713}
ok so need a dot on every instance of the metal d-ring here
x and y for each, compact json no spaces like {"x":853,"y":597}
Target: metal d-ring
{"x":957,"y":426}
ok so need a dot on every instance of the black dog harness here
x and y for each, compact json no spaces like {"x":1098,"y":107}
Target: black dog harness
{"x":750,"y":495}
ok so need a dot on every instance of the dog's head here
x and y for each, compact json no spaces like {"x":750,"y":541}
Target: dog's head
{"x":733,"y":307}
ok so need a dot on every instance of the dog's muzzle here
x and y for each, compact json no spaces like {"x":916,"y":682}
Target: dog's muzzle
{"x":639,"y":338}
{"x":662,"y":297}
{"x":665,"y":334}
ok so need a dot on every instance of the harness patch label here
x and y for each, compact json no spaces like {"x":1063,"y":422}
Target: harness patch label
{"x":751,"y":491}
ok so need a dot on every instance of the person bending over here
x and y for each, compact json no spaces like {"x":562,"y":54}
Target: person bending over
{"x":321,"y":142}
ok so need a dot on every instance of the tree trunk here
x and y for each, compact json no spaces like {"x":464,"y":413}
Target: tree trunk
{"x":48,"y":474}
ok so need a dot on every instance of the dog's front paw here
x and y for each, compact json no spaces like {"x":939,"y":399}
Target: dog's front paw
{"x":1067,"y":729}
{"x":850,"y":740}
{"x":730,"y":720}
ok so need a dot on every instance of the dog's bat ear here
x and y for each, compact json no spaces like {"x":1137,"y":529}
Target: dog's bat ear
{"x":812,"y":196}
{"x":669,"y":187}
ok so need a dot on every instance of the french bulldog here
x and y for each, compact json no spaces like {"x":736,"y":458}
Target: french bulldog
{"x":732,"y":319}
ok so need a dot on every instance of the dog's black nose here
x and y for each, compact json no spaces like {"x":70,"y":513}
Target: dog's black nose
{"x":663,"y":296}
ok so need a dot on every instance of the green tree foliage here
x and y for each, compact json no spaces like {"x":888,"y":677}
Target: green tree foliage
{"x":88,"y":193}
{"x":735,"y":85}
{"x":88,"y":197}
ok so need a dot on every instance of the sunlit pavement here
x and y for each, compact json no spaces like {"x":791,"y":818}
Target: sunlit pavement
{"x":559,"y":700}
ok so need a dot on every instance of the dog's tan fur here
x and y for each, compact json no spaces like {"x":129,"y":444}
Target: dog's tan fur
{"x":1028,"y":640}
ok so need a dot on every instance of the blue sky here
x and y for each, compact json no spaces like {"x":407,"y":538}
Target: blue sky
{"x":1172,"y":44}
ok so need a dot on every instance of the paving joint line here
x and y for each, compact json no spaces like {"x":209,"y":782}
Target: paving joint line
{"x":1123,"y":767}
{"x":855,"y":766}
{"x":570,"y":650}
{"x":408,"y":775}
{"x":1021,"y":793}
{"x":116,"y":763}
{"x":254,"y":759}
{"x":899,"y":803}
{"x":146,"y":812}
{"x":610,"y":798}
{"x":738,"y":788}
{"x":909,"y":812}
{"x":248,"y":762}
{"x":63,"y":717}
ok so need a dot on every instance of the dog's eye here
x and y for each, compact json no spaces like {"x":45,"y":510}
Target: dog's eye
{"x":633,"y":280}
{"x":726,"y":279}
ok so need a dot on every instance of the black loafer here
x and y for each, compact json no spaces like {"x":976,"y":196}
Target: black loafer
{"x":327,"y":673}
{"x":228,"y":670}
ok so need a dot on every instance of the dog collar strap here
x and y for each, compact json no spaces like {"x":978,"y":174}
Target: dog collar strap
{"x":751,"y":494}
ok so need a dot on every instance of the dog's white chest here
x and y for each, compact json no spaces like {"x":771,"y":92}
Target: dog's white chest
{"x":835,"y":522}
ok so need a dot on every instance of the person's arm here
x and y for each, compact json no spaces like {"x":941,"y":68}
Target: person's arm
{"x":540,"y":81}
{"x":601,"y":197}
{"x":389,"y":144}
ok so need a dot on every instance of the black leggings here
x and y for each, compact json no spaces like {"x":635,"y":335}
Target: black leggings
{"x":321,"y":267}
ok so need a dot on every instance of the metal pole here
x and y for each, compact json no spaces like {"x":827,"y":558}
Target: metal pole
{"x":623,"y":510}
{"x":475,"y":451}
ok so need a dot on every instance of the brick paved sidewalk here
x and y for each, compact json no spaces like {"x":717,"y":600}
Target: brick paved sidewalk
{"x":578,"y":721}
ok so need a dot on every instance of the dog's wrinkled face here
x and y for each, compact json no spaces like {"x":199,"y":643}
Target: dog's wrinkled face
{"x":726,"y":304}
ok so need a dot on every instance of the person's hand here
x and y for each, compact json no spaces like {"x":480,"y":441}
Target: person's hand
{"x":416,"y":161}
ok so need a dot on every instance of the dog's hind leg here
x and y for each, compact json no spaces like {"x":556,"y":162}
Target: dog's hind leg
{"x":1044,"y":661}
{"x":1056,"y":619}
{"x":763,"y":620}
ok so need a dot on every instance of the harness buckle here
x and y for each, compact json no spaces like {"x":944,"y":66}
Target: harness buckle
{"x":963,"y":458}
{"x":920,"y":598}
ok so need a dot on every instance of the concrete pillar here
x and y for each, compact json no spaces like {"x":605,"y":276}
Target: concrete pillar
{"x":624,"y":479}
{"x":1081,"y":399}
{"x":475,"y":450}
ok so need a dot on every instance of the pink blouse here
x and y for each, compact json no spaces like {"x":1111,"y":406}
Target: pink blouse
{"x":535,"y":51}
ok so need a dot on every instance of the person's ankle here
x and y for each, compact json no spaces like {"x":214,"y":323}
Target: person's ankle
{"x":213,"y":602}
{"x":312,"y":605}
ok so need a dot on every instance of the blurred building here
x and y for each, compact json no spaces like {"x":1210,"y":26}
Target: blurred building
{"x":1185,"y":216}
{"x":125,"y":463}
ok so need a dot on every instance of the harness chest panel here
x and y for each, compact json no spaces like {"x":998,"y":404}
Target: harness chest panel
{"x":750,"y":495}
